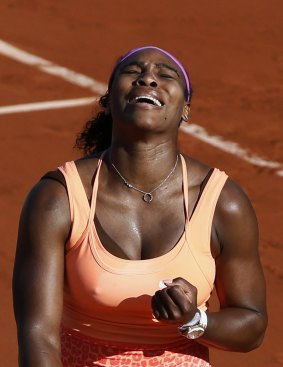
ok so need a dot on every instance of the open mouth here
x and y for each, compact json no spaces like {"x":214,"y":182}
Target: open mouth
{"x":148,"y":99}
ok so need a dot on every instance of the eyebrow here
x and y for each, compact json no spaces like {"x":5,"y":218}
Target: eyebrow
{"x":159,"y":65}
{"x":162,"y":65}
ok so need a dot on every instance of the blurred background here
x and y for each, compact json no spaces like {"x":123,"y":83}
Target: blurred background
{"x":57,"y":51}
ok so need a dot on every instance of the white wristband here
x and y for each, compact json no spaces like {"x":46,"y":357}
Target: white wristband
{"x":194,"y":321}
{"x":195,"y":327}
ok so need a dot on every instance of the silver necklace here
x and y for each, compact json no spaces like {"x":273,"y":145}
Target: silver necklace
{"x":147,"y":196}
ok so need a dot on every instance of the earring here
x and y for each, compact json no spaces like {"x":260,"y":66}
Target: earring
{"x":185,"y":115}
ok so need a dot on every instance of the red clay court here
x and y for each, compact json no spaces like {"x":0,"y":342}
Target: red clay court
{"x":62,"y":52}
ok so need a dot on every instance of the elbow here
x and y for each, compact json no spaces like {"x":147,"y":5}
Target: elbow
{"x":35,"y":340}
{"x":256,"y":343}
{"x":256,"y":331}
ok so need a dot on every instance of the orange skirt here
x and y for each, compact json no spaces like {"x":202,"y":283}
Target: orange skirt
{"x":78,"y":350}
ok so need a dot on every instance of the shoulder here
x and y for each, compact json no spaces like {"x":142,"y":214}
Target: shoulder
{"x":233,"y":201}
{"x":85,"y":166}
{"x":235,"y":220}
{"x":48,"y":192}
{"x":46,"y":211}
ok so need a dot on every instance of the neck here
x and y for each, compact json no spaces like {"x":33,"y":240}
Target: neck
{"x":143,"y":165}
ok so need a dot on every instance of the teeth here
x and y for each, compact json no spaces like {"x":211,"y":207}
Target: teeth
{"x":154,"y":100}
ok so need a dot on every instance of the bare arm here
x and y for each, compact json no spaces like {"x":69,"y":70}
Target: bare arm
{"x":39,"y":273}
{"x":241,"y":322}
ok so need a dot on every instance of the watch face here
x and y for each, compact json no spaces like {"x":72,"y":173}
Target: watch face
{"x":195,"y":332}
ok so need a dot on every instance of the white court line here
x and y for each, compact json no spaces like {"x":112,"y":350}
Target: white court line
{"x":49,"y":67}
{"x":39,"y":106}
{"x":231,"y":147}
{"x":73,"y":77}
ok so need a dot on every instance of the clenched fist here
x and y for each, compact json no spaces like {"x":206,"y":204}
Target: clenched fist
{"x":176,"y":302}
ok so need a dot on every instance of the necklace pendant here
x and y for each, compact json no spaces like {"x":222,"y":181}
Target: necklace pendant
{"x":147,"y":197}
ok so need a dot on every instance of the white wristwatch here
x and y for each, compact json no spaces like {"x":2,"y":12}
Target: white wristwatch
{"x":196,"y":327}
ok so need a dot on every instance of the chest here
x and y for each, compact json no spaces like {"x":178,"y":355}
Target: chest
{"x":130,"y":228}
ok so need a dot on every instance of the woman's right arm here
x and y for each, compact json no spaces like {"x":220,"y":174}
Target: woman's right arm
{"x":39,"y":274}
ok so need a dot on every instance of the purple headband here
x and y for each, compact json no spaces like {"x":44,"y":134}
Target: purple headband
{"x":163,"y":51}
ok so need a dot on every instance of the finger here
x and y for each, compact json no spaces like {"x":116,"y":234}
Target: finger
{"x":159,"y":310}
{"x":170,"y":309}
{"x":154,"y":307}
{"x":186,"y":286}
{"x":189,"y":289}
{"x":184,"y":295}
{"x":184,"y":302}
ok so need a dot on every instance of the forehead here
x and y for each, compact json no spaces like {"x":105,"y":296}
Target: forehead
{"x":151,"y":56}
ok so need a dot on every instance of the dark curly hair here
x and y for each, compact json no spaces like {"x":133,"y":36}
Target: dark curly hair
{"x":96,"y":135}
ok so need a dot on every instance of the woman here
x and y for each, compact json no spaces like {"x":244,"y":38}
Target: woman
{"x":119,"y":251}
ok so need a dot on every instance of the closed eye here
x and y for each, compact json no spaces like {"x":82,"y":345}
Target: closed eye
{"x":130,"y":72}
{"x":163,"y":75}
{"x":167,"y":73}
{"x":131,"y":69}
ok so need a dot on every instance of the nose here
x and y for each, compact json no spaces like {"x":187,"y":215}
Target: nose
{"x":146,"y":79}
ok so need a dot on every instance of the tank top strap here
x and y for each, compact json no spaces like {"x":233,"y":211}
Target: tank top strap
{"x":95,"y":189}
{"x":211,"y":192}
{"x":75,"y":188}
{"x":203,"y":214}
{"x":79,"y":205}
{"x":185,"y":186}
{"x":198,"y":232}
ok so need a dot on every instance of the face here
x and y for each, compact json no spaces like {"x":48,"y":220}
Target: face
{"x":148,"y":91}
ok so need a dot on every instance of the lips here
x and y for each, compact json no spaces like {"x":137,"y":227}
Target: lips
{"x":147,"y":99}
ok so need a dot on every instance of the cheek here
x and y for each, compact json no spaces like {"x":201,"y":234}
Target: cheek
{"x":174,"y":110}
{"x":119,"y":93}
{"x":121,"y":84}
{"x":177,"y":93}
{"x":116,"y":96}
{"x":177,"y":101}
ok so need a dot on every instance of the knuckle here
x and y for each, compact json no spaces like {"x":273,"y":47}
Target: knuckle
{"x":173,"y":316}
{"x":187,"y":308}
{"x":180,"y":280}
{"x":194,"y":290}
{"x":175,"y":289}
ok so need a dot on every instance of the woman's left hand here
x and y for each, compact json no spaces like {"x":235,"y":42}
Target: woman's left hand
{"x":176,"y":302}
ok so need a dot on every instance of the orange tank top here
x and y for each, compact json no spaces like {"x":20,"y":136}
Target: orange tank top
{"x":109,"y":298}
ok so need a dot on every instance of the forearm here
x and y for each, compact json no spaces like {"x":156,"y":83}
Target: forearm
{"x":39,"y":351}
{"x":234,"y":329}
